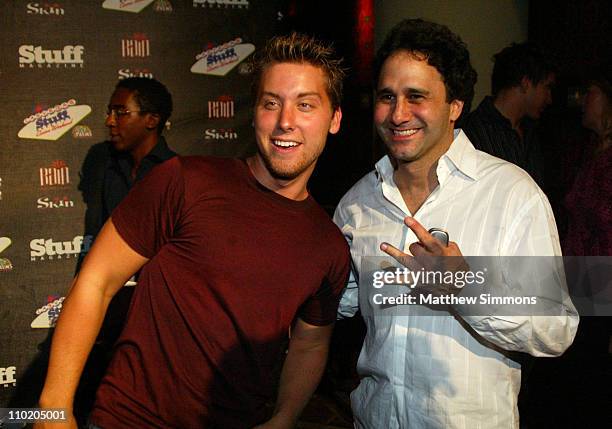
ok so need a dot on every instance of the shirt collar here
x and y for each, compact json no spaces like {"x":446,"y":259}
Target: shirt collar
{"x":461,"y":156}
{"x":161,"y":150}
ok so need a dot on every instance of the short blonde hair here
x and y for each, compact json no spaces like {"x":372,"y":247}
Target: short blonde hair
{"x":300,"y":48}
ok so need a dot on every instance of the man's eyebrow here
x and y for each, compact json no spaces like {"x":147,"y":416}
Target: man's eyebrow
{"x":300,"y":95}
{"x":409,"y":91}
{"x":418,"y":91}
{"x":309,"y":94}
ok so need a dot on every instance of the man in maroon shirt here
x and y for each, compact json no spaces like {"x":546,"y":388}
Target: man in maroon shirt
{"x":233,"y":254}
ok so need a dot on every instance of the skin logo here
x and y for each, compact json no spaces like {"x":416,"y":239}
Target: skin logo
{"x":48,"y":314}
{"x":36,"y":8}
{"x":134,"y":6}
{"x":5,"y":264}
{"x":54,"y":122}
{"x":125,"y":73}
{"x":220,"y":134}
{"x":220,"y":60}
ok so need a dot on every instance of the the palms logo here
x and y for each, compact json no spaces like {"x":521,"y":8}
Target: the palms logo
{"x":5,"y":264}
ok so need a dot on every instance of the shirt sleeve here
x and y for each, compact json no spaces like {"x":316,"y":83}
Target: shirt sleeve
{"x":349,"y":300}
{"x":148,"y":217}
{"x":320,"y":309}
{"x":532,"y":232}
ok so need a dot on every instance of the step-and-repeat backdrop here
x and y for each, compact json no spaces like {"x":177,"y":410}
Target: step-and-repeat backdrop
{"x":60,"y":61}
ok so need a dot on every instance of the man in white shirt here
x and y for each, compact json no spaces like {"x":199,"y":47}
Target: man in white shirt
{"x":426,"y":368}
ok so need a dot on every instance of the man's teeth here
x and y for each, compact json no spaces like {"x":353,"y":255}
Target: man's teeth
{"x":284,"y":144}
{"x":405,"y":132}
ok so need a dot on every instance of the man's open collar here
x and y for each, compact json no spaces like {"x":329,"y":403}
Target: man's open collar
{"x":461,"y":155}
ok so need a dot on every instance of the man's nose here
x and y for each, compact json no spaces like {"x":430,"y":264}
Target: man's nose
{"x":110,"y":119}
{"x":402,"y":112}
{"x":286,"y":121}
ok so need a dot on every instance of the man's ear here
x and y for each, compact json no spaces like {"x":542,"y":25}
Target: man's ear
{"x":456,"y":107}
{"x":334,"y":126}
{"x":152,"y":121}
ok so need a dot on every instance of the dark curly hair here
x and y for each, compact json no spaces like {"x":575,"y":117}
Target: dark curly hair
{"x":300,"y":48}
{"x":151,"y":95}
{"x":441,"y":48}
{"x":517,"y":61}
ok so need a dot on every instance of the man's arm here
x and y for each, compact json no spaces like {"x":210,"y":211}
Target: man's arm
{"x":106,"y":268}
{"x":533,"y":334}
{"x":301,"y":372}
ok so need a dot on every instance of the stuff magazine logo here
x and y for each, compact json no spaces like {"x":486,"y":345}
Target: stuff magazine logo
{"x":7,"y":376}
{"x":5,"y":263}
{"x":57,"y":174}
{"x":44,"y":8}
{"x":70,"y":56}
{"x":138,"y":46}
{"x":54,"y":203}
{"x":220,"y":134}
{"x":47,"y":248}
{"x":54,"y":122}
{"x":221,"y":108}
{"x":133,"y":6}
{"x":47,"y":315}
{"x":220,"y":60}
{"x":221,"y":3}
{"x":127,"y":72}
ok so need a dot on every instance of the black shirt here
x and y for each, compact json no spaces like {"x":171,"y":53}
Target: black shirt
{"x":117,"y":178}
{"x":491,"y":132}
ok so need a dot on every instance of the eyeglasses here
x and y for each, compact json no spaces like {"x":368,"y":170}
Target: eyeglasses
{"x":120,"y":112}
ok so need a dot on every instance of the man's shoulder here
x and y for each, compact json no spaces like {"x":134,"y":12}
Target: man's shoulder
{"x":364,"y":189}
{"x":491,"y":167}
{"x":206,"y":165}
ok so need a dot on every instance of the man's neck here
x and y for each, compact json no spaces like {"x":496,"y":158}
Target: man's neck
{"x":510,"y":104}
{"x":293,"y":189}
{"x":416,"y":180}
{"x":142,"y":150}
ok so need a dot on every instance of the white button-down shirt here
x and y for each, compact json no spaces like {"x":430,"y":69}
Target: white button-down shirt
{"x":426,"y":370}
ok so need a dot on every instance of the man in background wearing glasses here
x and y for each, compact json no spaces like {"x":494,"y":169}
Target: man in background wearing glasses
{"x":136,"y":115}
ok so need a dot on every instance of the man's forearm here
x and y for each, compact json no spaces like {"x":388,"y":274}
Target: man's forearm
{"x":302,"y":371}
{"x":77,"y":328}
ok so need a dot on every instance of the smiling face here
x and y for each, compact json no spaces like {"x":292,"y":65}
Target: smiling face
{"x":411,"y":113}
{"x":293,"y":115}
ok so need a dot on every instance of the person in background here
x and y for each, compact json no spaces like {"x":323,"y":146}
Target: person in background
{"x":503,"y":124}
{"x":589,"y":202}
{"x":136,"y":116}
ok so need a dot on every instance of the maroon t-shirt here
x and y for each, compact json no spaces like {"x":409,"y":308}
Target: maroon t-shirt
{"x":231,"y":266}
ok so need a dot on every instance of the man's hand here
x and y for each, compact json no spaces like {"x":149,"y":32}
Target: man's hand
{"x":431,"y":255}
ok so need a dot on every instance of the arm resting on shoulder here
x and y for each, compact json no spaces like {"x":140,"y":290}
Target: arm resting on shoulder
{"x":109,"y":264}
